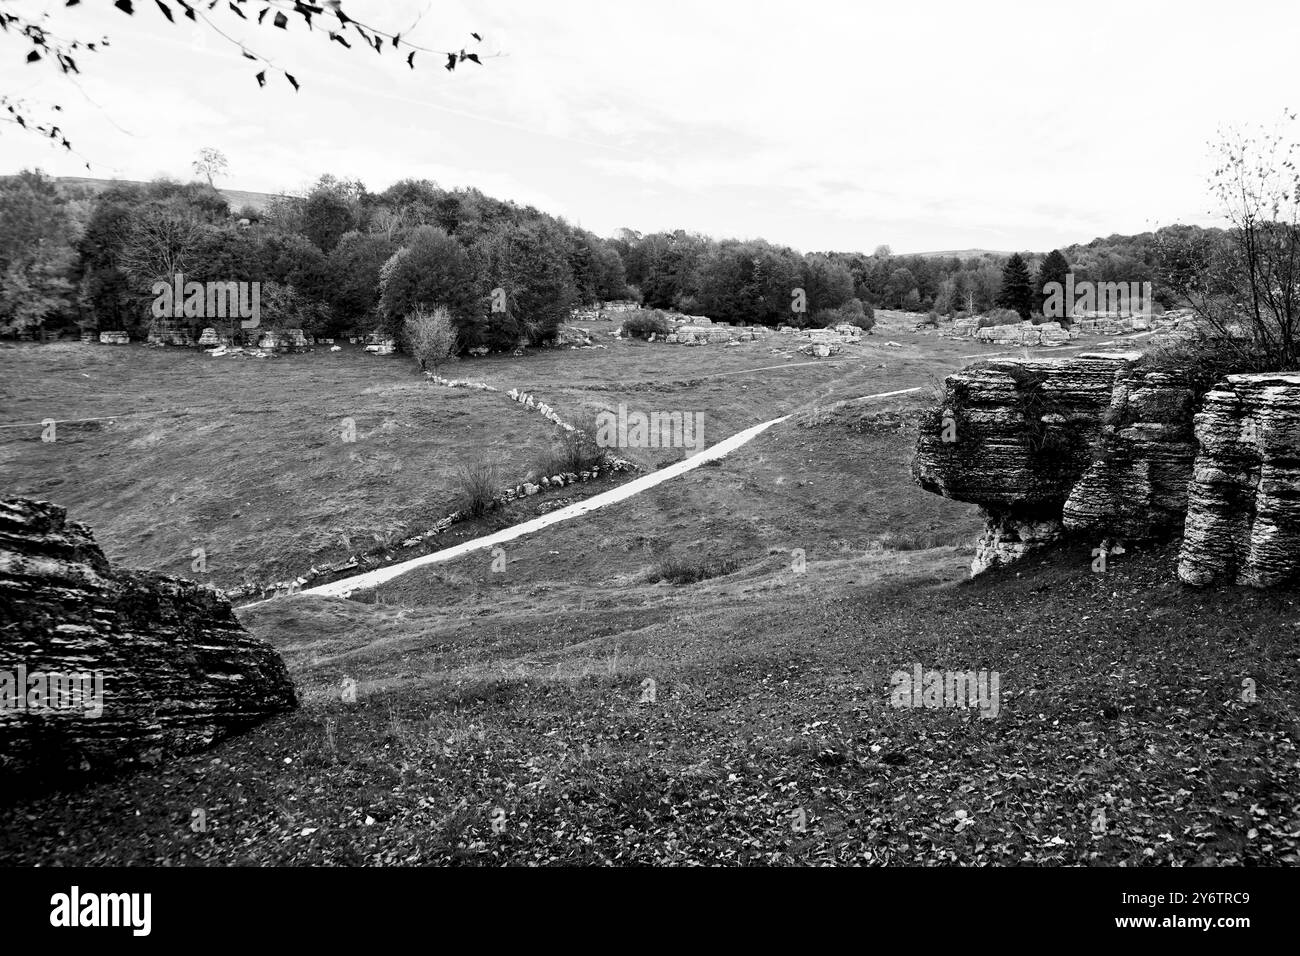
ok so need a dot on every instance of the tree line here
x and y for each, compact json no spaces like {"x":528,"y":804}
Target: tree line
{"x":339,"y":260}
{"x":344,"y":260}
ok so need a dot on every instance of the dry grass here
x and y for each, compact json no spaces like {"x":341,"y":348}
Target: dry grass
{"x":477,"y":485}
{"x":269,"y":465}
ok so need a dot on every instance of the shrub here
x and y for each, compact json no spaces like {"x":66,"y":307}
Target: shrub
{"x":476,"y":487}
{"x":690,"y":570}
{"x":688,"y":305}
{"x":643,"y":322}
{"x":430,"y":337}
{"x":854,"y":312}
{"x":432,"y":269}
{"x":1205,"y":357}
{"x":822,"y":319}
{"x":570,"y":451}
{"x":283,"y":307}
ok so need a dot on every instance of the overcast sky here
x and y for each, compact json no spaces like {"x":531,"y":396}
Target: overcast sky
{"x":924,"y":125}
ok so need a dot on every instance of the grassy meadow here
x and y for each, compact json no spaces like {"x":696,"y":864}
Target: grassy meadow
{"x":698,"y":674}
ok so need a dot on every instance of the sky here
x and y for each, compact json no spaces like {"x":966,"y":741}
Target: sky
{"x":820,"y":125}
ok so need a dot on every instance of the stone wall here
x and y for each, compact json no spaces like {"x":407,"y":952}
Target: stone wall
{"x":178,"y":670}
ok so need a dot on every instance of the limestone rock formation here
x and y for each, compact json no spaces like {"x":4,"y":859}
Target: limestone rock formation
{"x":283,"y":340}
{"x":1097,"y":446}
{"x":170,"y":332}
{"x":210,"y":337}
{"x":173,"y":669}
{"x":1014,"y":437}
{"x":570,"y":335}
{"x":1026,"y":334}
{"x":1243,"y":514}
{"x":1136,"y":487}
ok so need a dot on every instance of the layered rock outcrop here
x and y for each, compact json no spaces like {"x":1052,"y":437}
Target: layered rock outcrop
{"x":1243,"y":515}
{"x":103,"y":668}
{"x":1092,"y":445}
{"x":1136,"y":486}
{"x":1103,"y":448}
{"x":1015,"y":437}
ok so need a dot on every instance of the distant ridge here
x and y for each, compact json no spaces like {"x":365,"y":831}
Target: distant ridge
{"x":238,"y":198}
{"x":961,"y":253}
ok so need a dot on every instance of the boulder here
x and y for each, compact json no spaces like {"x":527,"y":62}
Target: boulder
{"x":114,"y":338}
{"x":819,"y":349}
{"x":173,"y":668}
{"x":169,"y":332}
{"x":1009,"y":537}
{"x":570,"y":335}
{"x":1243,"y":511}
{"x":283,"y":340}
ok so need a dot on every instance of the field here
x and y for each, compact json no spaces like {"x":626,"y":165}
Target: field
{"x":167,"y":451}
{"x":578,"y":705}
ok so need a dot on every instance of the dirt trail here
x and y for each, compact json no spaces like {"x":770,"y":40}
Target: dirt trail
{"x":370,"y":579}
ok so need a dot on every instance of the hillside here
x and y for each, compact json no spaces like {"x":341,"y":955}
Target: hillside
{"x":238,"y":198}
{"x":960,"y":253}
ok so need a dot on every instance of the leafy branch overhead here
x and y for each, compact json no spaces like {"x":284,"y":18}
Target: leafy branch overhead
{"x":43,"y":45}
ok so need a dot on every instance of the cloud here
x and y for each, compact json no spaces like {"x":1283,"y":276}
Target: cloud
{"x":821,"y":125}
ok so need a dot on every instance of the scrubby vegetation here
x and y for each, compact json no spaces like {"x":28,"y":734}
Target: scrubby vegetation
{"x":686,"y":570}
{"x":999,"y":317}
{"x":646,"y":322}
{"x":570,"y":451}
{"x":477,"y":485}
{"x":852,"y":312}
{"x":431,"y":337}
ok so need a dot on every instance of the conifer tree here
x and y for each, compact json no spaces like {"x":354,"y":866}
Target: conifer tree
{"x":1054,"y":269}
{"x":1017,"y":292}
